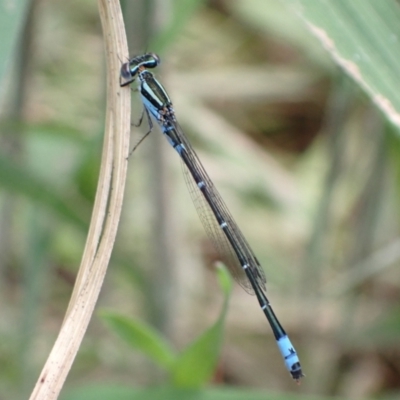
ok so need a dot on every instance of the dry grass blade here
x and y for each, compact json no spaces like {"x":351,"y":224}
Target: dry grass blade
{"x":106,"y":212}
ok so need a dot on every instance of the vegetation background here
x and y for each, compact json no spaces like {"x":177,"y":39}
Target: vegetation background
{"x":300,"y":135}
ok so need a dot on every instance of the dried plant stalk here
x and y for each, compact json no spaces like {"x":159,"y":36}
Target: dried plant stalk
{"x":106,"y":212}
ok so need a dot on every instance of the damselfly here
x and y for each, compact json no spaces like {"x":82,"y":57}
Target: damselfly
{"x":217,"y":220}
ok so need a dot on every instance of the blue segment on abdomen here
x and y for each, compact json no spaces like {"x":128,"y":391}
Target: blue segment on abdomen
{"x":288,"y":352}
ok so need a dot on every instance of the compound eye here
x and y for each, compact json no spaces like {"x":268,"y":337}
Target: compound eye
{"x":127,"y":75}
{"x":125,"y":71}
{"x":153,"y":60}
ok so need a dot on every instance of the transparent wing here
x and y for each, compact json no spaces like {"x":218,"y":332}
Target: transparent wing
{"x":210,"y":223}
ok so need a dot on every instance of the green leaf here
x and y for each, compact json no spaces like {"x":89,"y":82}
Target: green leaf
{"x":363,"y":38}
{"x":197,"y":363}
{"x":142,"y":337}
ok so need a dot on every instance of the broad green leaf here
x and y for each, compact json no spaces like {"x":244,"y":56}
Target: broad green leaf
{"x":363,"y":38}
{"x":141,"y":337}
{"x":198,"y":361}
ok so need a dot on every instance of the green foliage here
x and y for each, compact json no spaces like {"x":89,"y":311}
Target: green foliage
{"x":106,"y":392}
{"x":197,"y":362}
{"x":192,"y":367}
{"x":363,"y":38}
{"x":141,"y":336}
{"x":338,"y":196}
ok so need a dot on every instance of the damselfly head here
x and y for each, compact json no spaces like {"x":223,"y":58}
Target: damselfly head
{"x":136,"y":65}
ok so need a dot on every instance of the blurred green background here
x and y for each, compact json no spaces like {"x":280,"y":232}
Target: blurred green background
{"x":300,"y":135}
